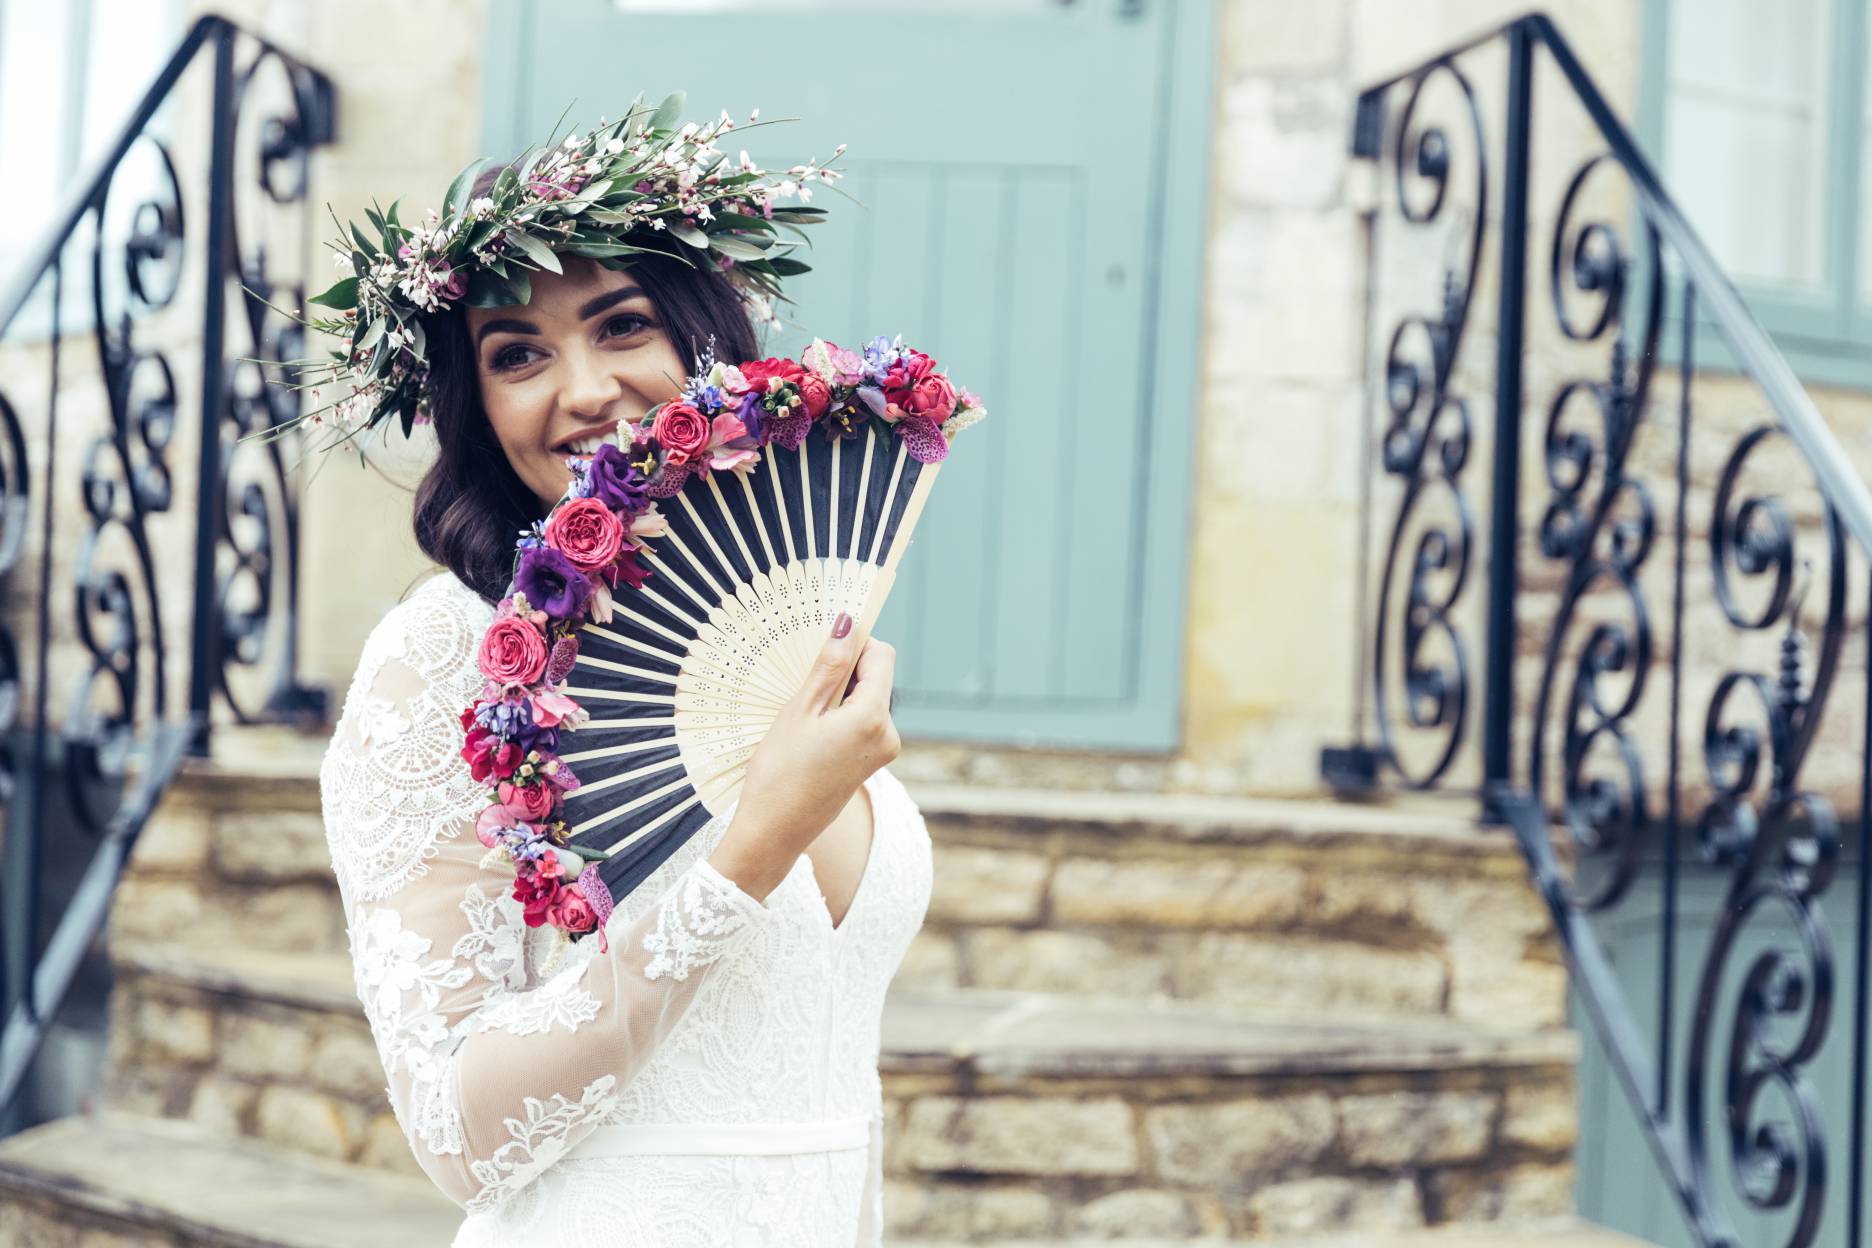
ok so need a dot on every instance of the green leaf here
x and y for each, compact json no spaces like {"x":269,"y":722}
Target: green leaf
{"x":668,"y":111}
{"x":419,"y":341}
{"x":739,"y":248}
{"x":787,"y":267}
{"x":799,"y":216}
{"x":363,"y":244}
{"x":488,"y":290}
{"x":536,"y":251}
{"x":742,"y":221}
{"x":522,"y":286}
{"x":373,"y":333}
{"x":595,"y":251}
{"x":457,"y":196}
{"x":504,"y":184}
{"x":391,"y":215}
{"x":340,"y":294}
{"x":586,"y":198}
{"x":689,"y":234}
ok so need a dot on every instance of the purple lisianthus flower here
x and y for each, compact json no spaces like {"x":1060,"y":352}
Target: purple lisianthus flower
{"x":614,"y":481}
{"x":512,"y":720}
{"x":749,"y":413}
{"x":551,"y":583}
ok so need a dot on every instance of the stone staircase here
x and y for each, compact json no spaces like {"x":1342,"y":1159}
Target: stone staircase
{"x":1129,"y":1018}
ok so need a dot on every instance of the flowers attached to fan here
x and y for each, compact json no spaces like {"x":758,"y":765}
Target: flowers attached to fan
{"x":569,"y":567}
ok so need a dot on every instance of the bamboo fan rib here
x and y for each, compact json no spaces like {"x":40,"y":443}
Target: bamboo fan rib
{"x":685,"y":679}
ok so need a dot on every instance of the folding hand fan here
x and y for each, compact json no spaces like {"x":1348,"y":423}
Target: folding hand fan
{"x":685,"y":679}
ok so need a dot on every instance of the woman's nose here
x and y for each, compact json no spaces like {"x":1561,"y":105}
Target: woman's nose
{"x":590,"y":388}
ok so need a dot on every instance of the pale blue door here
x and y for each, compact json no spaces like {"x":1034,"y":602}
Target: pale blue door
{"x":1021,"y":169}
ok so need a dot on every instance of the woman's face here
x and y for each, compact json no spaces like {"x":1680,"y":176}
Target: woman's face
{"x":586,"y":350}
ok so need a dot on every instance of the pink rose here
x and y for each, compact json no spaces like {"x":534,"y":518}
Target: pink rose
{"x":933,"y":397}
{"x":681,"y":431}
{"x":512,"y":652}
{"x":572,"y":912}
{"x":528,"y":802}
{"x":815,"y":394}
{"x":586,"y":532}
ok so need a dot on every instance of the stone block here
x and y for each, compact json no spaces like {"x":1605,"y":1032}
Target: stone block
{"x":221,"y":1104}
{"x":1236,"y":1144}
{"x":299,"y":917}
{"x":1333,"y":1203}
{"x":1542,"y":1115}
{"x":1293,"y":973}
{"x":345,"y":1061}
{"x":973,"y":884}
{"x":1050,"y":961}
{"x":932,"y":961}
{"x":306,"y":1121}
{"x":1519,"y":1193}
{"x":1020,"y":1136}
{"x":1387,"y":1130}
{"x":384,"y":1147}
{"x":965,"y":1212}
{"x":174,"y":1032}
{"x":1195,"y":892}
{"x":1282,"y":140}
{"x":1139,"y":1211}
{"x":265,"y":1048}
{"x":174,"y":840}
{"x":269,"y":846}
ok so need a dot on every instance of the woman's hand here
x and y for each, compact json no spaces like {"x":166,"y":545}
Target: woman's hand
{"x":821,"y":747}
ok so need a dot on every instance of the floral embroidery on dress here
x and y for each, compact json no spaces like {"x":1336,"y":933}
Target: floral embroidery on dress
{"x":707,"y":913}
{"x":539,"y":1139}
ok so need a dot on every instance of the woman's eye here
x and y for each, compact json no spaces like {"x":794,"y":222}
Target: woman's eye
{"x":626,"y":319}
{"x":509,"y":358}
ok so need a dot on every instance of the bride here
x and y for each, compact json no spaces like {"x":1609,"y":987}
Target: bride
{"x":706,"y":1074}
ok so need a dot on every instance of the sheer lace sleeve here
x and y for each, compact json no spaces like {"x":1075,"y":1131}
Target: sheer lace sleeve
{"x":496,"y":1066}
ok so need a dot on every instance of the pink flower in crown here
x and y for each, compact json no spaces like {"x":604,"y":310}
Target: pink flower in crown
{"x":528,"y":803}
{"x":512,"y":651}
{"x":494,"y":819}
{"x":726,"y":430}
{"x":585,"y":531}
{"x":450,"y":283}
{"x":550,"y":707}
{"x":932,"y":398}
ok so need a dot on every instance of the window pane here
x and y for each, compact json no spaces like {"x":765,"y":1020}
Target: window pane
{"x":1745,"y":133}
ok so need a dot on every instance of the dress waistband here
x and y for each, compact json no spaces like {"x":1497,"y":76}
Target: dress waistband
{"x":626,"y":1139}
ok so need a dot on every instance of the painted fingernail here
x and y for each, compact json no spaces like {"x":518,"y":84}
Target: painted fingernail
{"x":842,"y":625}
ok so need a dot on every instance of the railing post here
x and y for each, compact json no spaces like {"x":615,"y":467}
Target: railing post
{"x":205,"y":655}
{"x":1505,"y":498}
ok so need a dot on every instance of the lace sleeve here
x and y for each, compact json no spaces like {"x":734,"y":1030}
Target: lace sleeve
{"x":494,"y":1072}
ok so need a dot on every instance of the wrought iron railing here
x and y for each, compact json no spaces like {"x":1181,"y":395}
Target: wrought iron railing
{"x":118,"y":740}
{"x":1676,"y":562}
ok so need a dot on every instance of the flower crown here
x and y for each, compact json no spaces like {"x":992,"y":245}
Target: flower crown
{"x":635,"y":186}
{"x":571,"y":566}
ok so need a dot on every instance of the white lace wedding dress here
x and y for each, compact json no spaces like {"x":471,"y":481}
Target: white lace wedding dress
{"x":710,"y":1081}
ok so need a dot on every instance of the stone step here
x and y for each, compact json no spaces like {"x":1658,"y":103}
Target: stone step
{"x":112,"y":1180}
{"x":1008,"y":1113}
{"x":1309,"y":906}
{"x":118,"y":1181}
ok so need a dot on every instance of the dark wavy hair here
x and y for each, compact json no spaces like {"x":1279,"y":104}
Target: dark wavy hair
{"x":471,"y":504}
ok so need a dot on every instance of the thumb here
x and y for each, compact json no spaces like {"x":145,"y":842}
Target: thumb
{"x":832,"y":670}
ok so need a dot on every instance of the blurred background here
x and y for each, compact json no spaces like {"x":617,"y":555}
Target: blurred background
{"x":1397,"y":765}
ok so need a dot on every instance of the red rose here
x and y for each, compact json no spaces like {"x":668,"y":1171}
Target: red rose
{"x":905,"y":373}
{"x":538,"y":892}
{"x":933,"y":397}
{"x":816,"y":394}
{"x":587,"y":532}
{"x":512,"y":652}
{"x":681,"y":431}
{"x":528,"y":802}
{"x":759,"y":372}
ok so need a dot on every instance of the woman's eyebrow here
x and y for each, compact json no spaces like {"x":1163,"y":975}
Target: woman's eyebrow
{"x":592,"y":307}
